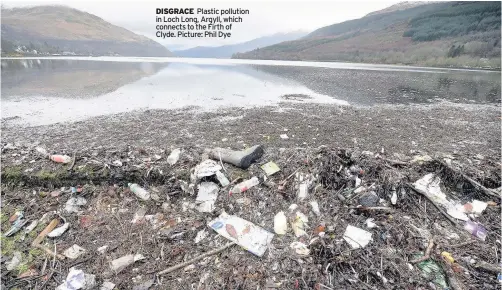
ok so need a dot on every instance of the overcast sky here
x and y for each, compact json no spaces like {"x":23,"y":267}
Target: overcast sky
{"x":265,"y":18}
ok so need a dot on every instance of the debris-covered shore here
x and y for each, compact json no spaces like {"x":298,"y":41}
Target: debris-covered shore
{"x":303,"y":218}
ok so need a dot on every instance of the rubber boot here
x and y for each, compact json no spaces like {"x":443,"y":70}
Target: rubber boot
{"x":241,"y":159}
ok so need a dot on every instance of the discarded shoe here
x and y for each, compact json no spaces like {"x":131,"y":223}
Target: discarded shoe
{"x":241,"y":159}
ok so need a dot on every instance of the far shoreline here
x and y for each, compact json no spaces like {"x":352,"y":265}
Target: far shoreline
{"x":233,"y":61}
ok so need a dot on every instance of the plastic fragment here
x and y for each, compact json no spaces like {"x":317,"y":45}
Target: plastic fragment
{"x":280,"y":223}
{"x":222,"y":178}
{"x":476,"y":229}
{"x":118,"y":265}
{"x":315,"y":207}
{"x":270,"y":168}
{"x":303,"y":191}
{"x":300,"y":248}
{"x":244,"y":233}
{"x":59,"y":231}
{"x":74,"y":252}
{"x":206,"y":196}
{"x":15,"y":261}
{"x":356,"y":237}
{"x":299,"y":224}
{"x":174,"y":156}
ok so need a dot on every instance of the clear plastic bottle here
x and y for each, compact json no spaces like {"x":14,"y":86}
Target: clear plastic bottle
{"x":245,"y":185}
{"x":139,"y":191}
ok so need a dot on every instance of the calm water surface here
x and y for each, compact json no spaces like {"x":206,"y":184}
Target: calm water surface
{"x":40,"y":91}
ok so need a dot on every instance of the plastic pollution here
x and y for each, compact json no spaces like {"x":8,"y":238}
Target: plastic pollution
{"x":393,"y":197}
{"x":303,"y":191}
{"x":29,"y":228}
{"x":59,"y":231}
{"x":17,"y":215}
{"x":102,"y":249}
{"x":107,"y":285}
{"x":139,"y":191}
{"x":299,"y":224}
{"x":356,"y":237}
{"x":315,"y":207}
{"x":60,"y":158}
{"x":447,"y":256}
{"x":429,"y":185}
{"x":284,"y":136}
{"x":222,"y":178}
{"x":42,"y":151}
{"x":280,"y":223}
{"x":206,"y":197}
{"x":476,"y":229}
{"x":202,"y":234}
{"x":300,"y":248}
{"x":118,"y":265}
{"x":245,"y":185}
{"x":77,"y":279}
{"x":18,"y":224}
{"x":241,"y":159}
{"x":174,"y":156}
{"x":73,"y":204}
{"x":369,"y":199}
{"x":370,"y":224}
{"x":270,"y":168}
{"x":145,"y":285}
{"x":244,"y":233}
{"x":206,"y":168}
{"x":15,"y":261}
{"x":74,"y":252}
{"x":117,"y":163}
{"x":139,"y":216}
{"x":431,"y":270}
{"x":476,"y":207}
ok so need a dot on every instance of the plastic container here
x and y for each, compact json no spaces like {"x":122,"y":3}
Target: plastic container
{"x":60,"y":158}
{"x":476,"y":229}
{"x":245,"y":185}
{"x":139,"y":191}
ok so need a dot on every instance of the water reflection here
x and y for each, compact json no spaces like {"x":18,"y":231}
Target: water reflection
{"x":41,"y":91}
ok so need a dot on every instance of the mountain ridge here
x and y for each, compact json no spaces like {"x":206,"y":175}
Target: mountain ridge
{"x":54,"y":29}
{"x":226,"y":51}
{"x":445,"y":34}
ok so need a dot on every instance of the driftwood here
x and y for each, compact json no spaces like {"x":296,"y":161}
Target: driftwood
{"x":427,"y":253}
{"x":487,"y":191}
{"x":434,"y":203}
{"x":200,"y":257}
{"x":38,"y":240}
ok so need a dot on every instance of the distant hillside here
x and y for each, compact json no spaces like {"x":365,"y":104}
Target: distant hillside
{"x":457,"y":34}
{"x":64,"y":30}
{"x":226,"y":51}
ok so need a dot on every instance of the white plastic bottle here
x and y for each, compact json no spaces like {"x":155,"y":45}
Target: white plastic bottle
{"x":139,"y":191}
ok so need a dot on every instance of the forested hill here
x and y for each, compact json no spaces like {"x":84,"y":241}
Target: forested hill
{"x":458,"y":34}
{"x":64,"y":30}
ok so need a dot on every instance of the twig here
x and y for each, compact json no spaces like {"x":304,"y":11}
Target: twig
{"x":200,"y":257}
{"x":221,"y":162}
{"x":487,"y":267}
{"x":462,"y":244}
{"x":474,"y":183}
{"x":37,"y":242}
{"x":324,"y":286}
{"x":286,"y":179}
{"x":73,"y":163}
{"x":373,"y":208}
{"x":454,"y":283}
{"x":434,"y":203}
{"x":427,"y":253}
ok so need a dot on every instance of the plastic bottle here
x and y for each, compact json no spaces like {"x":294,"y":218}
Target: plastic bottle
{"x":60,"y":158}
{"x":280,"y":223}
{"x":245,"y":185}
{"x":139,"y":191}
